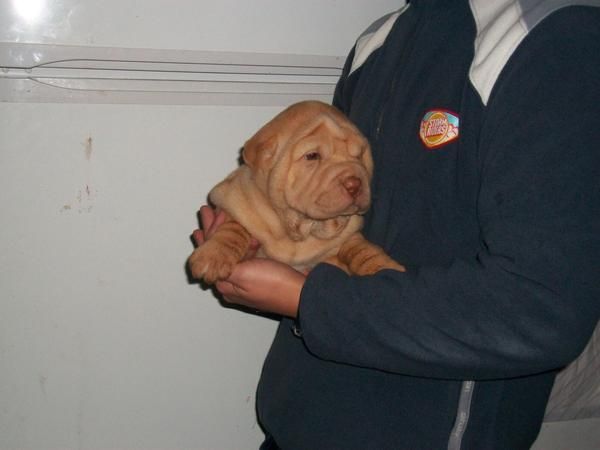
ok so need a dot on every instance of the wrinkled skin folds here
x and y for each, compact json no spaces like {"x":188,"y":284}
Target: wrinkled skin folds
{"x":300,"y":193}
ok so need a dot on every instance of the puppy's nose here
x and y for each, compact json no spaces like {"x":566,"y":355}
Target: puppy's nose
{"x":352,"y":184}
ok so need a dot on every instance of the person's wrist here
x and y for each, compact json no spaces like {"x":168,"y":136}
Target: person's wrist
{"x":294,"y":289}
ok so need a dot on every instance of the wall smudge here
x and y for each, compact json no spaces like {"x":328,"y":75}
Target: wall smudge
{"x":88,"y":148}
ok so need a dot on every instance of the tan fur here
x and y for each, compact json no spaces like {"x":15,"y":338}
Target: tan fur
{"x":302,"y":208}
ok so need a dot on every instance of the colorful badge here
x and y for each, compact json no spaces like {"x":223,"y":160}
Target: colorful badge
{"x":438,"y":127}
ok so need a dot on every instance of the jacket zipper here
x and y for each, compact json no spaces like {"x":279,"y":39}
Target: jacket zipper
{"x":463,"y":413}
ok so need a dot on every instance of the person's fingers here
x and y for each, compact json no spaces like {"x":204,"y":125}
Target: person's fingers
{"x":252,"y":250}
{"x":211,"y":219}
{"x":198,"y":237}
{"x":219,"y":220}
{"x":207,"y":217}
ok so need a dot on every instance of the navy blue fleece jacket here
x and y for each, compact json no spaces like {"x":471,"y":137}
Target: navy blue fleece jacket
{"x":499,"y":228}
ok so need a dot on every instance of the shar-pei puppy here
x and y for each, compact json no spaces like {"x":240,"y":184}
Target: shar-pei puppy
{"x":301,"y":192}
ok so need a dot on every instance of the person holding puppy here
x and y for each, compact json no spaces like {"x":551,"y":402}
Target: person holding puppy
{"x":482,"y":118}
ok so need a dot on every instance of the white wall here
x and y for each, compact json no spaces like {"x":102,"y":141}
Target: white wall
{"x":103,"y":343}
{"x":322,"y":27}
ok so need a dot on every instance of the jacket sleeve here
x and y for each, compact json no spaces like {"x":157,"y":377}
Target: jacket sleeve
{"x":530,"y":299}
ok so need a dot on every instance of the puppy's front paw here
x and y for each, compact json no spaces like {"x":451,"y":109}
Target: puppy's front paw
{"x":366,"y":258}
{"x":378,"y":263}
{"x":212,"y":262}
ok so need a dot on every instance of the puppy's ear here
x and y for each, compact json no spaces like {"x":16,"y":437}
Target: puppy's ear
{"x":259,"y":153}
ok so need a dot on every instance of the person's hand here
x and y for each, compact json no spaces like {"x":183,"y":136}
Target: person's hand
{"x":265,"y":285}
{"x":257,"y":283}
{"x":210,"y":220}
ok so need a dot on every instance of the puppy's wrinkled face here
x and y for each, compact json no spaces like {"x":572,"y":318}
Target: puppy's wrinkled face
{"x":313,"y":160}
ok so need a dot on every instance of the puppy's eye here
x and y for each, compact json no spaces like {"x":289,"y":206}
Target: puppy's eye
{"x":312,"y":156}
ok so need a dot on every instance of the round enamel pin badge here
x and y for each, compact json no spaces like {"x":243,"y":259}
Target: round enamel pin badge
{"x":438,"y":127}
